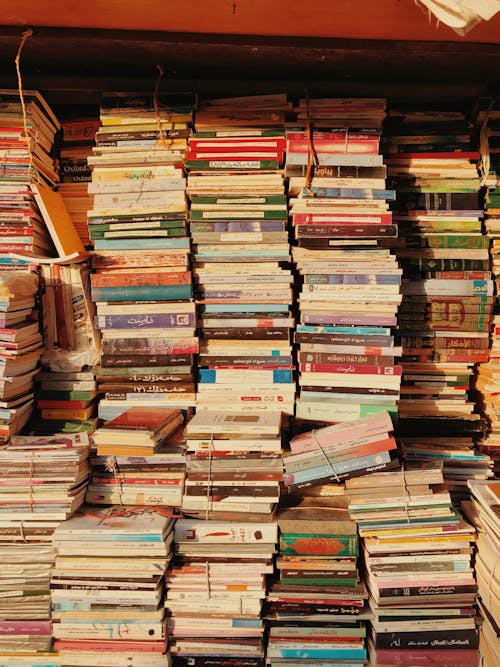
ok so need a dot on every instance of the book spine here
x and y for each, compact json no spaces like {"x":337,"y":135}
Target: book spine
{"x":152,"y":320}
{"x":444,"y":639}
{"x":141,"y":293}
{"x":134,"y":348}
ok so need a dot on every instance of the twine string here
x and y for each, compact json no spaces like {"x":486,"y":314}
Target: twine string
{"x":166,"y":145}
{"x":313,"y":435}
{"x":24,"y":38}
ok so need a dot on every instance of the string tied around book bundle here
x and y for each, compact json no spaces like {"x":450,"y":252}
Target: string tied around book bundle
{"x":119,"y":481}
{"x":209,"y":478}
{"x":406,"y":493}
{"x":31,"y":471}
{"x":329,"y":463}
{"x":21,"y":532}
{"x":207,"y":573}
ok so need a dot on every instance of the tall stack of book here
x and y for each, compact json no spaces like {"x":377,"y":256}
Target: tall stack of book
{"x":139,"y":460}
{"x":78,"y":138}
{"x":25,"y":159}
{"x":42,"y":481}
{"x":448,"y":298}
{"x":21,"y":347}
{"x":418,"y":563}
{"x":488,"y":375}
{"x":224,"y":552}
{"x":485,"y":497}
{"x":317,"y":607}
{"x":108,"y":587}
{"x":142,"y":281}
{"x":216,"y":589}
{"x":350,"y":281}
{"x":238,"y":224}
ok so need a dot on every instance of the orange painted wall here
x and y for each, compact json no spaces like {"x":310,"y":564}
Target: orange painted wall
{"x":364,"y":19}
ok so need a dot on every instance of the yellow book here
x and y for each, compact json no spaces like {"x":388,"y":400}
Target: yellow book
{"x":58,"y":220}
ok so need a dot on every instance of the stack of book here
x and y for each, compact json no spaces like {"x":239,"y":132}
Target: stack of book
{"x":78,"y":138}
{"x":20,"y":349}
{"x":26,"y":154}
{"x":42,"y":482}
{"x":350,"y":281}
{"x":332,"y":454}
{"x":487,"y":384}
{"x":234,"y":464}
{"x":142,"y":281}
{"x":66,"y":401}
{"x":418,"y":563}
{"x":485,"y":497}
{"x":216,"y":589}
{"x":447,"y":287}
{"x":138,"y":460}
{"x":488,"y":373}
{"x":316,"y":609}
{"x":238,"y":224}
{"x":108,"y":587}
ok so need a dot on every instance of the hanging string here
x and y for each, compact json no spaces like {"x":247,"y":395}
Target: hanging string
{"x":156,"y":106}
{"x":484,"y":147}
{"x":25,"y":36}
{"x":311,"y":153}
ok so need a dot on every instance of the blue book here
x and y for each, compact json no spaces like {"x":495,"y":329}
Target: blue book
{"x":320,"y":653}
{"x":142,"y":293}
{"x":353,"y":193}
{"x":338,"y":468}
{"x":142,"y":244}
{"x":279,"y":376}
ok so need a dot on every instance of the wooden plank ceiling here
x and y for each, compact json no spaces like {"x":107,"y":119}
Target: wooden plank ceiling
{"x":332,"y":45}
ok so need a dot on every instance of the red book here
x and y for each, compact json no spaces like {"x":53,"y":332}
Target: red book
{"x":143,"y":419}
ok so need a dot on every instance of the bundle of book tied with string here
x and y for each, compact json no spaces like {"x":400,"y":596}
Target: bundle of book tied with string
{"x":21,"y":347}
{"x":488,"y":375}
{"x":67,"y":396}
{"x":316,"y":610}
{"x":216,"y":588}
{"x":482,"y":510}
{"x":445,"y":316}
{"x":418,"y":563}
{"x":349,"y":288}
{"x":142,"y":280}
{"x":238,"y":224}
{"x":42,"y":482}
{"x":108,"y":586}
{"x":78,"y":139}
{"x":225,"y":544}
{"x":140,"y":459}
{"x":29,"y":130}
{"x":335,"y":453}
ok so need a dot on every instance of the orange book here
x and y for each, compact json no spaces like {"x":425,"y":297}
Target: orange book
{"x":140,"y":279}
{"x":58,"y":221}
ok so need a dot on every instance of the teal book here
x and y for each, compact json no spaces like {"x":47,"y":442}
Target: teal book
{"x":143,"y":293}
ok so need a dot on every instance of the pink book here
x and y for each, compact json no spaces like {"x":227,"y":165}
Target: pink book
{"x":329,"y":436}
